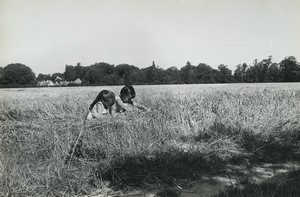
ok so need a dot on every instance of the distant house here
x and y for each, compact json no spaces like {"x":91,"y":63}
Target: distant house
{"x":50,"y":83}
{"x":64,"y":83}
{"x":57,"y":80}
{"x":57,"y":84}
{"x":45,"y":83}
{"x":40,"y":83}
{"x":77,"y":81}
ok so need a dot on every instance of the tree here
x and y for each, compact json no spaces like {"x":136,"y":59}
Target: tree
{"x":74,"y":72}
{"x":252,"y":72}
{"x":1,"y":74}
{"x":101,"y":74}
{"x":17,"y":74}
{"x":70,"y":73}
{"x":188,"y":73}
{"x":80,"y":71}
{"x":289,"y":69}
{"x":224,"y":74}
{"x":172,"y":75}
{"x":205,"y":74}
{"x":240,"y":73}
{"x":55,"y":75}
{"x":154,"y":75}
{"x":125,"y":73}
{"x":43,"y":77}
{"x":263,"y":69}
{"x":274,"y":72}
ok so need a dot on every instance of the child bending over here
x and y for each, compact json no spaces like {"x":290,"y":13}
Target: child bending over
{"x":124,"y":100}
{"x":104,"y":101}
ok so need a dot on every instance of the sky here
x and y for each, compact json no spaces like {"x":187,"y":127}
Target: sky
{"x":46,"y":35}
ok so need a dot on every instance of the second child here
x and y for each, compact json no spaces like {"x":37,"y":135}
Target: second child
{"x":124,"y":100}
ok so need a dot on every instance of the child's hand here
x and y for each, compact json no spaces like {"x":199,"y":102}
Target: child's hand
{"x":89,"y":116}
{"x":96,"y":115}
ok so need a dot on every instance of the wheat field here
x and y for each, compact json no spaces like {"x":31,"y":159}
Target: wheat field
{"x":191,"y":131}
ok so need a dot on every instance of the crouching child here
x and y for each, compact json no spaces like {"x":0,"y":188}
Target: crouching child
{"x":124,"y":100}
{"x":102,"y":105}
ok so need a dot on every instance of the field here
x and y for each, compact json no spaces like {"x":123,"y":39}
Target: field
{"x":191,"y":131}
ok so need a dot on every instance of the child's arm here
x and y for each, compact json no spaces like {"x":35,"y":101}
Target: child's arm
{"x":97,"y":99}
{"x":126,"y":107}
{"x":140,"y":106}
{"x":110,"y":110}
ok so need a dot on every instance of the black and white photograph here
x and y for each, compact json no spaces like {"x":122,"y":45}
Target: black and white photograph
{"x":149,"y":98}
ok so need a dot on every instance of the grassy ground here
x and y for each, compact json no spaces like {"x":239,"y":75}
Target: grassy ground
{"x":289,"y":186}
{"x":191,"y":131}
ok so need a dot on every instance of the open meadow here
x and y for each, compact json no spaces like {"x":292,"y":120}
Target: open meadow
{"x":191,"y":131}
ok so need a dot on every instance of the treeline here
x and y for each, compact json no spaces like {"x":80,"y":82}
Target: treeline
{"x":288,"y":70}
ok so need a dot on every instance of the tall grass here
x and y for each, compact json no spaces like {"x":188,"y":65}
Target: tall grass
{"x":190,"y":131}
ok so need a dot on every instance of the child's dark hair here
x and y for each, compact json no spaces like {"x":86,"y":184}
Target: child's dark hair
{"x":106,"y":96}
{"x":128,"y":90}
